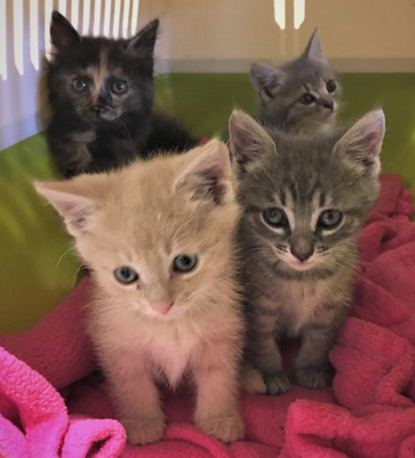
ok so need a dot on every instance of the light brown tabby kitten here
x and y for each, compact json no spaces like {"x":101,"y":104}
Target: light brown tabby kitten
{"x":158,"y":238}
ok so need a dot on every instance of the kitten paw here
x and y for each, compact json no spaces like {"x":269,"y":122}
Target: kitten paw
{"x":227,"y":428}
{"x":252,"y":381}
{"x":277,"y":384}
{"x":144,"y":430}
{"x":314,"y":377}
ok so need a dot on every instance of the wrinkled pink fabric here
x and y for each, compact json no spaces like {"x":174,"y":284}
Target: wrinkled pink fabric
{"x":52,"y":405}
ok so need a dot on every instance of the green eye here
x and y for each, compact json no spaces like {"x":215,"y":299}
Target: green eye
{"x":119,"y":87}
{"x":80,"y":85}
{"x":275,"y":217}
{"x":184,"y":263}
{"x":329,"y":219}
{"x":125,"y":275}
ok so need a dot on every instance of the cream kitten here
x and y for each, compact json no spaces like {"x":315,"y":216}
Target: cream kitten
{"x":158,"y":238}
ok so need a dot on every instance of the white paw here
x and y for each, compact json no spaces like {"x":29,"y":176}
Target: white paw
{"x":227,"y":428}
{"x":144,"y":430}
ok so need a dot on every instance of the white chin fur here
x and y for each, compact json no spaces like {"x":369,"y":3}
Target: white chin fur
{"x":170,"y":315}
{"x":300,"y":266}
{"x":295,"y":264}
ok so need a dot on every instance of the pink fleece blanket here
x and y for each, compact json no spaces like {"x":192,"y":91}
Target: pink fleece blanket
{"x":51,"y":405}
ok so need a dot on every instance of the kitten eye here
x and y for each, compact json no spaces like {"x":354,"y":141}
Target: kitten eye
{"x":125,"y":275}
{"x":80,"y":85}
{"x":331,"y":86}
{"x":329,"y":219}
{"x":184,"y":263}
{"x":275,"y":217}
{"x":307,"y":99}
{"x":119,"y":87}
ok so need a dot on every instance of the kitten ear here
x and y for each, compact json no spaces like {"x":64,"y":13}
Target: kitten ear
{"x":70,"y":198}
{"x":209,"y":174}
{"x":142,"y":44}
{"x":266,"y":80}
{"x":248,"y":141}
{"x":360,"y":146}
{"x":313,"y":49}
{"x":63,"y":35}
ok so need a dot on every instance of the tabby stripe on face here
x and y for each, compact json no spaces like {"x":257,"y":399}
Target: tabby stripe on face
{"x":282,"y":197}
{"x":322,"y":200}
{"x":293,"y":191}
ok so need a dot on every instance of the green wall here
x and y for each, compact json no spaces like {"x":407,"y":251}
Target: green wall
{"x":37,"y":265}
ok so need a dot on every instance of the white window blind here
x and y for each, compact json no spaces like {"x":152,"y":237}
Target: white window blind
{"x":280,"y":9}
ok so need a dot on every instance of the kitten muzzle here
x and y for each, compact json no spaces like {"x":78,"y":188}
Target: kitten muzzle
{"x":162,"y":307}
{"x":302,"y":253}
{"x":329,"y":104}
{"x":98,"y":109}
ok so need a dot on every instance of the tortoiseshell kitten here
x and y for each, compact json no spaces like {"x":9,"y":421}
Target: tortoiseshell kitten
{"x":100,"y":93}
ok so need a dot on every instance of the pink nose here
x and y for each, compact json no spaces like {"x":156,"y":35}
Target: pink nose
{"x":162,"y":307}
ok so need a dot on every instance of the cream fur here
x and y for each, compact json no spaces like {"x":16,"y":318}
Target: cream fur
{"x":142,"y":217}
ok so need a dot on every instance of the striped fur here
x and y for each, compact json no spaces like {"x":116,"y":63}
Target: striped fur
{"x":298,"y":277}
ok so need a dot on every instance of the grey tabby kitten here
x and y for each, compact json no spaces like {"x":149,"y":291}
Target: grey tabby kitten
{"x":302,"y":95}
{"x":304,"y":200}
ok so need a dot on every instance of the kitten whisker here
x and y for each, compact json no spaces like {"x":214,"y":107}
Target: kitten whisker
{"x":69,"y":250}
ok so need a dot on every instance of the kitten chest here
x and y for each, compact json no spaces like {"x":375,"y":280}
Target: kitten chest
{"x":172,"y":353}
{"x":298,"y":301}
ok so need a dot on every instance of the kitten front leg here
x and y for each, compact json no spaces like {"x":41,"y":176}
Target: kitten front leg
{"x":69,"y":149}
{"x":136,"y":398}
{"x":313,"y":368}
{"x":215,"y":374}
{"x":262,"y":351}
{"x":71,"y":158}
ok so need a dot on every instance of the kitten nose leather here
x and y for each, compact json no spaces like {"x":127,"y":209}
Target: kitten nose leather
{"x":301,"y":254}
{"x":98,"y":107}
{"x":162,"y":307}
{"x":328,"y":104}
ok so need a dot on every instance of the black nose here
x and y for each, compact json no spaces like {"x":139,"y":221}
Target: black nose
{"x":301,"y":254}
{"x":98,"y":108}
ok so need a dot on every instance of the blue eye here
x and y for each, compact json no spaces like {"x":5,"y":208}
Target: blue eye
{"x":329,"y":219}
{"x":184,"y":263}
{"x":80,"y":84}
{"x":125,"y":275}
{"x":275,"y":217}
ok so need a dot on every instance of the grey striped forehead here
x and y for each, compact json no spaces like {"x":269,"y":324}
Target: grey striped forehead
{"x":309,"y":72}
{"x":295,"y":194}
{"x":302,"y":171}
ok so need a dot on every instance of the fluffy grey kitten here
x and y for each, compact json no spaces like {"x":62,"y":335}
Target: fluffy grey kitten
{"x":302,"y":95}
{"x":301,"y":215}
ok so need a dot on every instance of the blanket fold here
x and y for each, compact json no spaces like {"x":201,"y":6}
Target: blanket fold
{"x":52,"y":404}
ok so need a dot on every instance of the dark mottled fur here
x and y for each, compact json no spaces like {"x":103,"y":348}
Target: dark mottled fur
{"x":97,"y":129}
{"x":298,"y":278}
{"x":280,"y":91}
